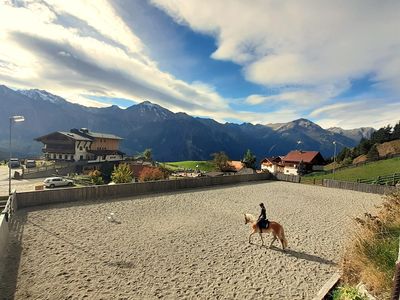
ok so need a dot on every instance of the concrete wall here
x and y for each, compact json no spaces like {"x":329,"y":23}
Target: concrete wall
{"x":3,"y":241}
{"x":27,"y":199}
{"x":361,"y":187}
{"x":50,"y":172}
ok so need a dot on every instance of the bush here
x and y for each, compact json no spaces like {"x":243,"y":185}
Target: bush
{"x":347,"y":293}
{"x":372,"y":255}
{"x":150,"y":174}
{"x":122,"y":174}
{"x":95,"y":177}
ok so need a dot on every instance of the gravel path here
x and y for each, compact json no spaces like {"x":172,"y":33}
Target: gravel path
{"x":186,"y":245}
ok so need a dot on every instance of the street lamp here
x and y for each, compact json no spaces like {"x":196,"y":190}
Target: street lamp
{"x":334,"y":158}
{"x":298,"y":145}
{"x":13,"y":119}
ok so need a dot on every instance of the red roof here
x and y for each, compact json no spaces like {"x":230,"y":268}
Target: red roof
{"x":304,"y":156}
{"x":272,"y":160}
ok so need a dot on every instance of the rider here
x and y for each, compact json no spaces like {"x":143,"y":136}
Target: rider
{"x":262,"y":221}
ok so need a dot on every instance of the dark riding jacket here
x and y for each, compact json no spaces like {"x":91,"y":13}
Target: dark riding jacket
{"x":262,"y":219}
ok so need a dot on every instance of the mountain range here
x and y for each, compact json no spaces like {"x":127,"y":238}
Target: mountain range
{"x":171,"y":136}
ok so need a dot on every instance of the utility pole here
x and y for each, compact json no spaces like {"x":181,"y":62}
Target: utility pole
{"x":334,"y":158}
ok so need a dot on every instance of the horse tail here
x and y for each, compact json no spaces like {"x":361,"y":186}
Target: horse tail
{"x":282,"y":238}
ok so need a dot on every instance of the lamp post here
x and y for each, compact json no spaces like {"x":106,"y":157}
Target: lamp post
{"x":13,"y":119}
{"x":298,"y":145}
{"x":334,"y":158}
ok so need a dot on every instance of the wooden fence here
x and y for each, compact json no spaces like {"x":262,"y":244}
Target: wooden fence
{"x":391,"y":179}
{"x":285,"y":177}
{"x":26,"y":199}
{"x":361,"y":187}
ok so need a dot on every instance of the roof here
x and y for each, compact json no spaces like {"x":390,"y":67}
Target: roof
{"x":304,"y":156}
{"x":103,"y":135}
{"x":235,"y":165}
{"x":69,"y":135}
{"x":272,"y":160}
{"x":75,"y":136}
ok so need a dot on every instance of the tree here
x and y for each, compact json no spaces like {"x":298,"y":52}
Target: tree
{"x":150,"y":174}
{"x":249,"y":159}
{"x":381,"y":135}
{"x":220,"y":160}
{"x":122,"y":174}
{"x":345,"y":153}
{"x":396,"y":132}
{"x":147,"y":154}
{"x":373,"y":153}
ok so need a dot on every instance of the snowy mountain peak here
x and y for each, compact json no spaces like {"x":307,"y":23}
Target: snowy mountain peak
{"x":37,"y":94}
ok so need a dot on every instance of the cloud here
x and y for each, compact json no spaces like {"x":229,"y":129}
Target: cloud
{"x":109,"y":62}
{"x":305,"y":54}
{"x":310,"y":50}
{"x":367,"y":113}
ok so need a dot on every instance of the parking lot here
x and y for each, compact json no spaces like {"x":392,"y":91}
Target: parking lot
{"x":22,"y":185}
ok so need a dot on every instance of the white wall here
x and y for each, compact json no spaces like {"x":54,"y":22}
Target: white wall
{"x":3,"y":241}
{"x":82,"y":152}
{"x":290,"y":171}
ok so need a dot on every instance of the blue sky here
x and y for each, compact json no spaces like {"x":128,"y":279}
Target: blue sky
{"x":336,"y":63}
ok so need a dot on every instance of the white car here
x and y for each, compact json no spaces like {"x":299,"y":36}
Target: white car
{"x":52,"y":182}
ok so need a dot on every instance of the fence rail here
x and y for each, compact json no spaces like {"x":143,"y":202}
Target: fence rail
{"x":361,"y":187}
{"x":391,"y":179}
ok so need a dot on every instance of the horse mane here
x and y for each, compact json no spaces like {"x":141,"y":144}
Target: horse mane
{"x":250,"y":218}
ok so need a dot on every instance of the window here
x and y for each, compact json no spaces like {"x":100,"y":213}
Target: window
{"x":60,"y":156}
{"x":80,"y":148}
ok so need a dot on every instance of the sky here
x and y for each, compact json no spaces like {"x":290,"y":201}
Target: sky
{"x":336,"y":63}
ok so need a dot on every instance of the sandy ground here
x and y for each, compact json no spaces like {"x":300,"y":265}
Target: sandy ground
{"x":187,"y":245}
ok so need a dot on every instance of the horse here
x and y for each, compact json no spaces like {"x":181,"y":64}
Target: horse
{"x":275,"y":228}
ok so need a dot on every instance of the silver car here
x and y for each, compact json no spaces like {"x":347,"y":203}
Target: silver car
{"x":53,"y":182}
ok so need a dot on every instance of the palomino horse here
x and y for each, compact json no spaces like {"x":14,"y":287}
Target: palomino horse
{"x":274,"y":227}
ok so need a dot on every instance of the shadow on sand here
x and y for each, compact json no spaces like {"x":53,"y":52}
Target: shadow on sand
{"x":302,"y":255}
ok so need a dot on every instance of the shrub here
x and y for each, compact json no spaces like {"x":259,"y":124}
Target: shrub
{"x":122,"y":174}
{"x":347,"y":293}
{"x":95,"y":177}
{"x":149,"y":174}
{"x":372,"y":254}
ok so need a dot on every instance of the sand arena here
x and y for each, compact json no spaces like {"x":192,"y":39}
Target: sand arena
{"x":190,"y":244}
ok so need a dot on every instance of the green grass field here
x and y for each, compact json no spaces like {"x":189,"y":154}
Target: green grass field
{"x":205,"y":166}
{"x":369,"y":171}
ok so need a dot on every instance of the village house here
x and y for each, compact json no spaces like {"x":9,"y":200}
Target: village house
{"x":272,"y":164}
{"x":81,"y":145}
{"x":301,"y":162}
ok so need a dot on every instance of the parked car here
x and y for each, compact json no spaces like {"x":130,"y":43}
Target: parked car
{"x":53,"y":182}
{"x":30,"y":163}
{"x":14,"y":163}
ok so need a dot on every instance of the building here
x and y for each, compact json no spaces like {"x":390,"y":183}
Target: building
{"x":81,"y":145}
{"x":301,"y":162}
{"x":272,"y":164}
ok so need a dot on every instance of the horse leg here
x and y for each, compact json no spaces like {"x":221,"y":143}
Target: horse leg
{"x":262,"y":240}
{"x":273,"y":241}
{"x":251,"y":235}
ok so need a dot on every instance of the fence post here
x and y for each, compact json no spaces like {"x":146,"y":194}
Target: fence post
{"x":396,"y":281}
{"x":314,"y":181}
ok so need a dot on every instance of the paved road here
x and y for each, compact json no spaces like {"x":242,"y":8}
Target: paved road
{"x":20,"y":185}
